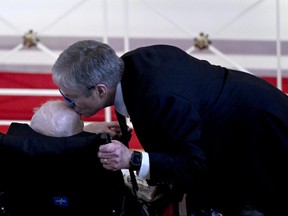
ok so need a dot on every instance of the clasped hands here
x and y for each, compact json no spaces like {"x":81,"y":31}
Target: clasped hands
{"x":115,"y":155}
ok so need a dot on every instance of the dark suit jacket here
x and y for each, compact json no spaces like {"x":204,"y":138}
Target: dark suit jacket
{"x":38,"y":170}
{"x":220,"y":134}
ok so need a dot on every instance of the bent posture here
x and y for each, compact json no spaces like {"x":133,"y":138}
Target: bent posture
{"x":218,"y":134}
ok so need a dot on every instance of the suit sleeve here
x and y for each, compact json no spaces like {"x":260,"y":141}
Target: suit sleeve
{"x":170,"y":133}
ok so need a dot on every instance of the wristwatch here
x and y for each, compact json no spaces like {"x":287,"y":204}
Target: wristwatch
{"x":136,"y":161}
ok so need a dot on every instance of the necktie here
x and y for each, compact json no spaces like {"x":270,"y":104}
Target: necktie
{"x":125,"y":138}
{"x":126,"y":135}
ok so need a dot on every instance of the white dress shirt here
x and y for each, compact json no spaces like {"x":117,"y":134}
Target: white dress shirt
{"x":119,"y":105}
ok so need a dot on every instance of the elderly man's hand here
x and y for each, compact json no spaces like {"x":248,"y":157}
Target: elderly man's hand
{"x":112,"y":128}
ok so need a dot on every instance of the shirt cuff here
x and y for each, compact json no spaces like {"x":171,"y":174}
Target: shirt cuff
{"x":144,"y":171}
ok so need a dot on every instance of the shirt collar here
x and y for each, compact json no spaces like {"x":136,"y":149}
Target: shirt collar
{"x":119,"y":101}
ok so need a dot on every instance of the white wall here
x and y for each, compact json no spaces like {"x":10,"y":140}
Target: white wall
{"x":230,"y":22}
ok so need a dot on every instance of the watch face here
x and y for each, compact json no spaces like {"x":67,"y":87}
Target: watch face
{"x":136,"y":160}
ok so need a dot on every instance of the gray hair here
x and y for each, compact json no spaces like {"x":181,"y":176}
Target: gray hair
{"x":87,"y":63}
{"x":55,"y":118}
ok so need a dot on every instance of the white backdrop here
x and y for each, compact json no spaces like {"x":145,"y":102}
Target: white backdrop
{"x":247,"y":32}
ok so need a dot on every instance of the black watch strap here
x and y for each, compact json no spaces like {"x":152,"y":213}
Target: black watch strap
{"x":136,"y":161}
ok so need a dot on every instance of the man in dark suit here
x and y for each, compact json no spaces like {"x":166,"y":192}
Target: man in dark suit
{"x":219,"y":135}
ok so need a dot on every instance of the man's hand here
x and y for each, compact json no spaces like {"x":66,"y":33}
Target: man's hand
{"x":115,"y":155}
{"x":112,"y":128}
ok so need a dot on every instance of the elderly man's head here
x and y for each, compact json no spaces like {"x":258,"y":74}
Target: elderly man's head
{"x":55,"y":118}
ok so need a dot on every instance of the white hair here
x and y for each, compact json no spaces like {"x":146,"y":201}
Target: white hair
{"x":55,"y":118}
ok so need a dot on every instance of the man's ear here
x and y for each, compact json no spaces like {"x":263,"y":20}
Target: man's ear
{"x":101,"y":89}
